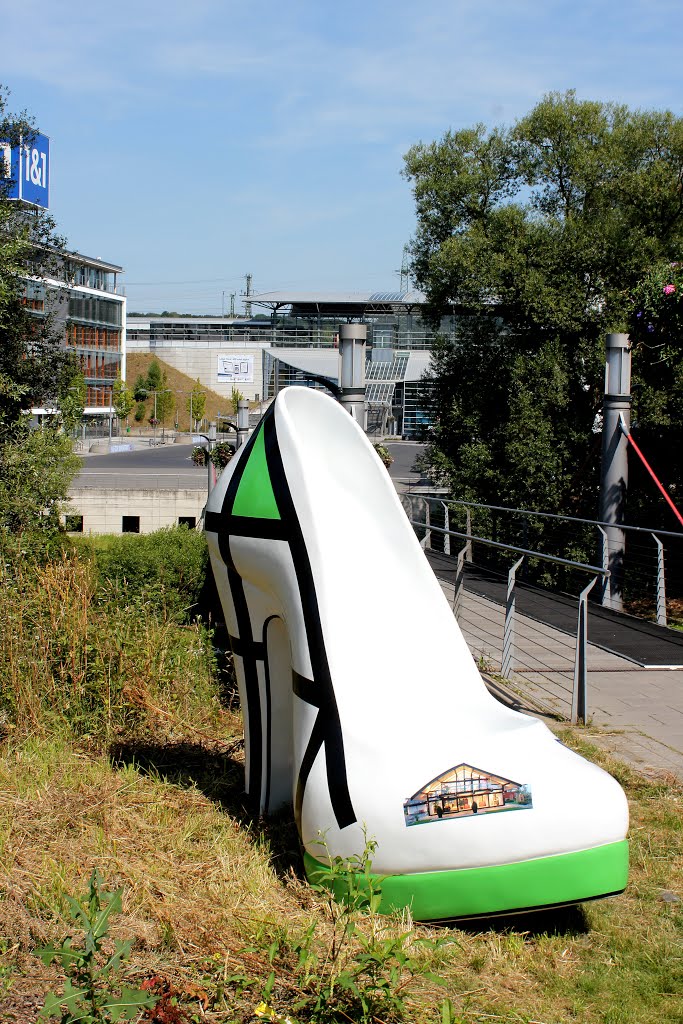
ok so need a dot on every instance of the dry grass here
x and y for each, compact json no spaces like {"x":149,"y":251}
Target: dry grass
{"x":207,"y":889}
{"x":149,"y":790}
{"x":181,"y":385}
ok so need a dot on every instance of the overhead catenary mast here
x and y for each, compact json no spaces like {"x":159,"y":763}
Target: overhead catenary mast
{"x":247,"y":305}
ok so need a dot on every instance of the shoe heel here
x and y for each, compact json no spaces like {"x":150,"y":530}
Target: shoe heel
{"x":261,"y":652}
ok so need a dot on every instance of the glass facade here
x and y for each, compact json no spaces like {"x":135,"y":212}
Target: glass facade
{"x":394,"y":405}
{"x":94,"y":325}
{"x":94,"y":332}
{"x":404,"y":332}
{"x":94,"y":310}
{"x":88,"y":275}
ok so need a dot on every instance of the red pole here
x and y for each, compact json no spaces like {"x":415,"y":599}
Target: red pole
{"x":652,"y":473}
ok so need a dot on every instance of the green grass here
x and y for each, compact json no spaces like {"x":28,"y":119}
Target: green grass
{"x":122,"y":751}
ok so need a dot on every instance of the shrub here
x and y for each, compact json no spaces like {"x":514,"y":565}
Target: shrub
{"x":87,"y":653}
{"x":198,"y":455}
{"x":164,"y":570}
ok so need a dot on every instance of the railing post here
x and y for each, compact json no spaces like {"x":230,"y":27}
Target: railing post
{"x":661,"y":582}
{"x":446,"y":537}
{"x":579,"y":694}
{"x":468,"y":531}
{"x":508,"y":665}
{"x":427,"y":539}
{"x":459,"y":582}
{"x":606,"y":595}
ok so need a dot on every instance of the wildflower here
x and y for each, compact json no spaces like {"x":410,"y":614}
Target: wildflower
{"x":650,"y":328}
{"x":669,"y":289}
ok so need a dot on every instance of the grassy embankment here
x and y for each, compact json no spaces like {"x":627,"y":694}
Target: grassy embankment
{"x":181,"y":385}
{"x":121,"y":750}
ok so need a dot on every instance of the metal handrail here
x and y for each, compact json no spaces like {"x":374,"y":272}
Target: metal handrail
{"x":579,"y":705}
{"x":584,"y":566}
{"x":554,"y":515}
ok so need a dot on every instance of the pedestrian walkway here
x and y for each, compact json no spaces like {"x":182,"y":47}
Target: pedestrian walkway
{"x":638,"y":711}
{"x":644,"y":643}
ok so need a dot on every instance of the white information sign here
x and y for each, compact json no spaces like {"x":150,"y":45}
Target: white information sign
{"x":236,"y":369}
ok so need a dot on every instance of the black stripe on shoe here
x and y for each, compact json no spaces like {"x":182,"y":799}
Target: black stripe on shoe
{"x":327,"y":730}
{"x":251,"y":684}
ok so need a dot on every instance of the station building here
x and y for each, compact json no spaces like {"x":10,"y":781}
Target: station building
{"x":295,"y":341}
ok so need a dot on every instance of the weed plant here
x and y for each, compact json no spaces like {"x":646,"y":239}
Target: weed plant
{"x":93,"y":992}
{"x":358,"y":965}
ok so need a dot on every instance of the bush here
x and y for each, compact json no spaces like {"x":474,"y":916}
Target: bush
{"x":76,"y":653}
{"x":164,"y":570}
{"x":97,"y":639}
{"x":140,"y":411}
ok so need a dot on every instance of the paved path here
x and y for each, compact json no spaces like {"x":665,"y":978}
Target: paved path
{"x":638,"y":711}
{"x":164,"y":468}
{"x":644,"y":643}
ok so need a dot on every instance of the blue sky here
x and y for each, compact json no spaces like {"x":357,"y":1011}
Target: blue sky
{"x":195,"y":141}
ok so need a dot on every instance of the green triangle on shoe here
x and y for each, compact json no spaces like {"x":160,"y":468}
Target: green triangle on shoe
{"x":255,"y":496}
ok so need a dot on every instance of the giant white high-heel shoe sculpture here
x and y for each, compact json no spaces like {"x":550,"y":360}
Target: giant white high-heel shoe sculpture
{"x":362,"y":704}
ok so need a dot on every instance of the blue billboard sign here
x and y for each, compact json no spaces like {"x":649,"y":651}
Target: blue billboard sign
{"x":28,"y":167}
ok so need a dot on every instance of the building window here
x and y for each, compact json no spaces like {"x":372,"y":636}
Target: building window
{"x":189,"y":521}
{"x":130,"y":524}
{"x":74,"y":524}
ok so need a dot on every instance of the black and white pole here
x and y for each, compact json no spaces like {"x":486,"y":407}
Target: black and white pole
{"x":352,"y":338}
{"x":614,"y":473}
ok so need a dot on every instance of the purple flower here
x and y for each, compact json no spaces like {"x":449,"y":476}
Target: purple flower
{"x":669,"y":289}
{"x":638,"y":315}
{"x":650,"y":328}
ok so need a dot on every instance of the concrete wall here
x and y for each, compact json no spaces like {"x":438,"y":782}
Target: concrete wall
{"x":103,"y":510}
{"x":200,"y":360}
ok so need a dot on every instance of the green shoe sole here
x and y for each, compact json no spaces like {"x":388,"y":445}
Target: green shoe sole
{"x":499,"y":889}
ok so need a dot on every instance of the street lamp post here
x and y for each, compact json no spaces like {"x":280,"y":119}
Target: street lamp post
{"x":164,"y":391}
{"x":614,"y":469}
{"x":352,"y":339}
{"x":210,"y":441}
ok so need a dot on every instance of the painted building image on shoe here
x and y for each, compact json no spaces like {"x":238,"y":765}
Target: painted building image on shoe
{"x":464,"y":791}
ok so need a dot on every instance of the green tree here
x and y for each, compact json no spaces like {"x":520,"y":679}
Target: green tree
{"x":236,"y":396}
{"x":36,"y":467}
{"x":72,"y":397}
{"x":196,"y":403}
{"x":140,"y":389}
{"x":30,"y":347}
{"x":536,"y":240}
{"x":154,"y":376}
{"x":123,"y":399}
{"x":164,"y":400}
